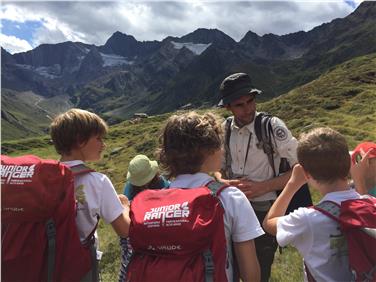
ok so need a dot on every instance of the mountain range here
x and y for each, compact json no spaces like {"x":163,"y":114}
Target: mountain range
{"x":125,"y":76}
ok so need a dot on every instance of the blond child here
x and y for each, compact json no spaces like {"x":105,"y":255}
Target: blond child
{"x":78,"y":137}
{"x":324,"y":162}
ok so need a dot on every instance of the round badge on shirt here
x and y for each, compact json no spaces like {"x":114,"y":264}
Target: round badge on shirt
{"x":280,"y":133}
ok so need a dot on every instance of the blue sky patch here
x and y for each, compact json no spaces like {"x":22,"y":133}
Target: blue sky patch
{"x":351,"y":3}
{"x":20,"y":30}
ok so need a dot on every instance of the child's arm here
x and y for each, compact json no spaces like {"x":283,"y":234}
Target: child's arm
{"x":249,"y":267}
{"x":279,"y":207}
{"x":122,"y":222}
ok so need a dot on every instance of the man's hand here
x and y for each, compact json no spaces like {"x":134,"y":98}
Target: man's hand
{"x":252,"y":189}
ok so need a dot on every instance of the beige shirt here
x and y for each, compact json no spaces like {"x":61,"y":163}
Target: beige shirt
{"x":257,"y":167}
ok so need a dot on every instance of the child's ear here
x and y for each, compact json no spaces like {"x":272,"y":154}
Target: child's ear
{"x":81,"y":143}
{"x":306,"y":174}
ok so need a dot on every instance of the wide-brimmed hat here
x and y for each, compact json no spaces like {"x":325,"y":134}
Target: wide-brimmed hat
{"x":361,"y":149}
{"x":236,"y":86}
{"x":141,"y":170}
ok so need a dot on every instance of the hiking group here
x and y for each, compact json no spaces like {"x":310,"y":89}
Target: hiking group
{"x":228,"y":181}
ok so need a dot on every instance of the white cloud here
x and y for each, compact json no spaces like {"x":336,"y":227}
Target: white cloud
{"x":94,"y":22}
{"x":13,"y":44}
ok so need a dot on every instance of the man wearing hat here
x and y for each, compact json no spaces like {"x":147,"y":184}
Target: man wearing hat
{"x":246,"y":165}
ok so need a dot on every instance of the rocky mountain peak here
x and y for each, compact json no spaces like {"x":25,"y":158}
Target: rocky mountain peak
{"x":206,"y":36}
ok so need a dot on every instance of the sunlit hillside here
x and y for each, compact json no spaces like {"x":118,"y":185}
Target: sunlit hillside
{"x":343,"y":98}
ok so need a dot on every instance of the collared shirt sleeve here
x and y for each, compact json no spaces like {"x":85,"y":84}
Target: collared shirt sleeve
{"x":110,"y":207}
{"x":295,"y":229}
{"x":286,"y":144}
{"x":239,"y":215}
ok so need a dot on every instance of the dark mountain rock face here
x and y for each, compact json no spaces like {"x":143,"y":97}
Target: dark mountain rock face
{"x":127,"y":46}
{"x":213,"y":36}
{"x":125,"y":75}
{"x":6,"y":57}
{"x":67,"y":55}
{"x":91,"y":65}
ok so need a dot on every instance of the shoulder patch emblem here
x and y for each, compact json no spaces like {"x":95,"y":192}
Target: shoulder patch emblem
{"x":280,"y":133}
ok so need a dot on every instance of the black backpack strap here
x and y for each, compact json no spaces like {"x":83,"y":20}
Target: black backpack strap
{"x":309,"y":274}
{"x":264,"y":134}
{"x":228,"y":159}
{"x":51,"y":253}
{"x":209,"y":266}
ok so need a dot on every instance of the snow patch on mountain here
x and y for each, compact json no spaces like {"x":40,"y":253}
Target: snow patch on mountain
{"x":196,"y":48}
{"x":49,"y":72}
{"x":110,"y":60}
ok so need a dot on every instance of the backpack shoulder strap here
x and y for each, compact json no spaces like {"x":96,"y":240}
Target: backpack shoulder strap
{"x":228,"y":159}
{"x":80,"y":169}
{"x":264,"y":133}
{"x":51,"y":250}
{"x":258,"y":119}
{"x":216,"y":187}
{"x":90,"y":240}
{"x":329,"y":208}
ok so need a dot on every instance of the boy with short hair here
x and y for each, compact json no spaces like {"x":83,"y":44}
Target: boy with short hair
{"x":191,"y":148}
{"x":324,"y":162}
{"x":78,"y":137}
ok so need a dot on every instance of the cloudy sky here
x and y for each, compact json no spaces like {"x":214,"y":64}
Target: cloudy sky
{"x":27,"y":24}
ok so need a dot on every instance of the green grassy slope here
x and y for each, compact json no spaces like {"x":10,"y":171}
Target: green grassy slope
{"x":16,"y":110}
{"x":25,"y":114}
{"x":343,"y":98}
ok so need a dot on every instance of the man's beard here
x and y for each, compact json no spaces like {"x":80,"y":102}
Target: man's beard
{"x":241,"y":123}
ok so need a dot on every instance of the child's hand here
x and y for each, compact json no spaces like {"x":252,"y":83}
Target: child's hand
{"x":298,"y":177}
{"x":124,"y":200}
{"x":358,"y":172}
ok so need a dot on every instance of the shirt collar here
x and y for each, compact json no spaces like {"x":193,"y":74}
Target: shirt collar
{"x":191,"y":180}
{"x":73,"y":163}
{"x":339,"y":196}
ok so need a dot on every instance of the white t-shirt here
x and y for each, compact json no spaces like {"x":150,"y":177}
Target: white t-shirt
{"x":257,"y":167}
{"x":318,"y":239}
{"x":96,"y":197}
{"x":241,"y":223}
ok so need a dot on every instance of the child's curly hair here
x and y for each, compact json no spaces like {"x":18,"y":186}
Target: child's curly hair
{"x":186,"y":141}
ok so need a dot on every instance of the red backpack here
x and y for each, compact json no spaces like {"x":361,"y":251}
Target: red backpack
{"x":178,"y":235}
{"x":357,"y":220}
{"x":39,"y":237}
